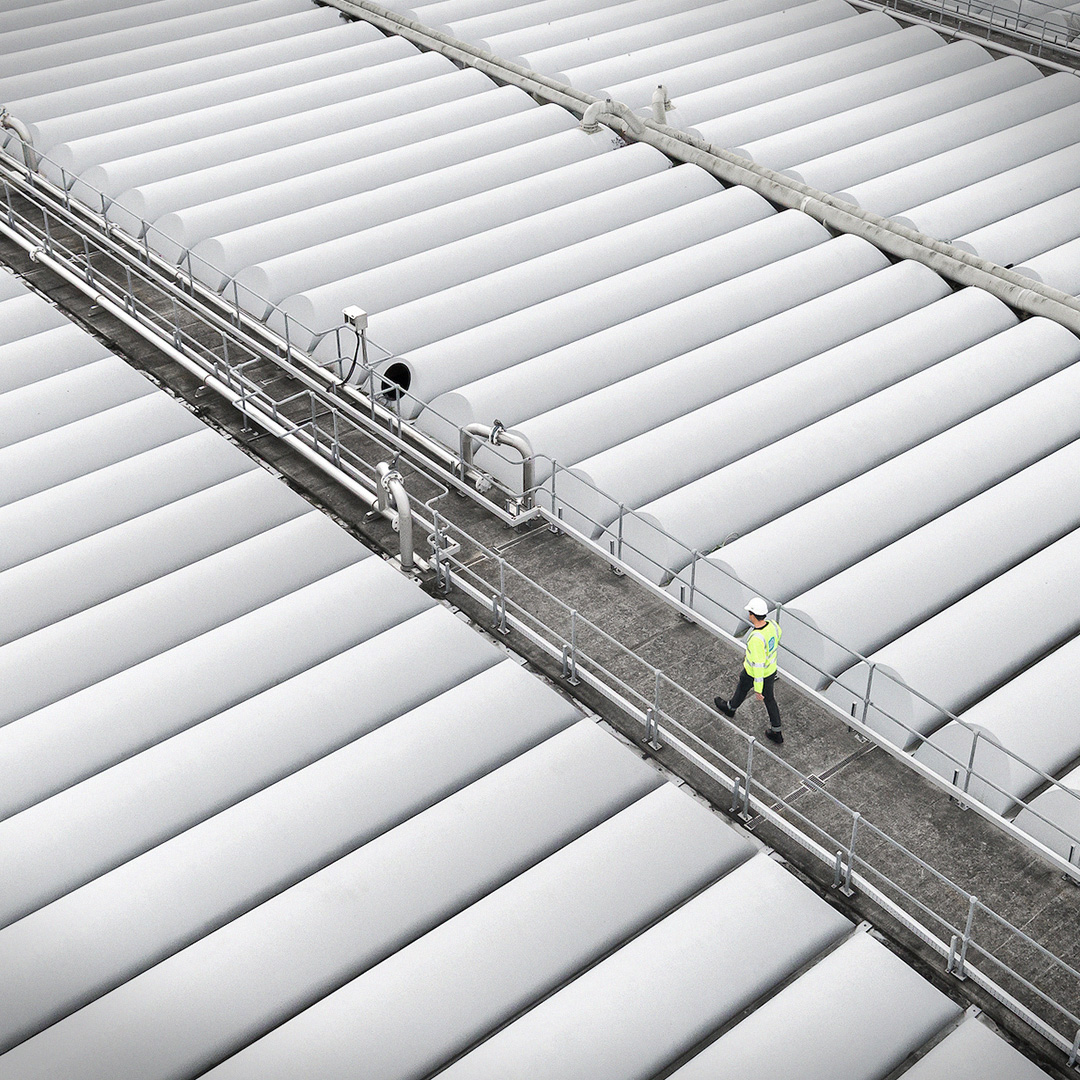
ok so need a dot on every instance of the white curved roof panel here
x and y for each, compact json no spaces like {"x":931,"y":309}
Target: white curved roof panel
{"x":748,"y":47}
{"x":596,"y":220}
{"x":649,"y":434}
{"x":440,"y":314}
{"x":1026,"y":233}
{"x":527,"y":220}
{"x":444,"y":129}
{"x":1021,"y":717}
{"x":334,"y":132}
{"x":335,"y":52}
{"x":85,"y":505}
{"x":1059,"y":267}
{"x":98,"y":568}
{"x":858,"y":1013}
{"x":90,"y":828}
{"x":436,"y":997}
{"x":313,"y":211}
{"x":994,"y":653}
{"x":911,"y":144}
{"x":973,"y":1052}
{"x":95,"y":74}
{"x":877,"y":599}
{"x":177,"y":28}
{"x":793,"y":470}
{"x":51,"y":352}
{"x":72,"y":395}
{"x":664,"y":991}
{"x":71,"y":158}
{"x":766,"y":265}
{"x":793,"y":143}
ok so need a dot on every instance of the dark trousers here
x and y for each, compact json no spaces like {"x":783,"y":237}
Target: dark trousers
{"x":746,"y":684}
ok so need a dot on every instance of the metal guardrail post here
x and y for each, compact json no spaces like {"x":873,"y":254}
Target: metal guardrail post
{"x":552,"y":527}
{"x":866,"y":696}
{"x":1075,"y":1054}
{"x":745,"y":814}
{"x":498,"y":603}
{"x":615,"y":546}
{"x":569,"y":653}
{"x":846,"y":888}
{"x":958,"y":960}
{"x":652,"y":726}
{"x":971,"y":761}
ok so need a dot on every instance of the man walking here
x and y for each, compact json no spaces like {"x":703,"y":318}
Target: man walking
{"x":759,"y":668}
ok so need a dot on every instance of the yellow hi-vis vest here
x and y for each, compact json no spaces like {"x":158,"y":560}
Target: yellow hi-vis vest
{"x":760,"y":659}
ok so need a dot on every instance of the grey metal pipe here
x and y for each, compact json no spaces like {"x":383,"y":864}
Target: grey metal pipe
{"x":961,"y":267}
{"x":391,"y":488}
{"x":497,"y":435}
{"x":12,"y":123}
{"x":590,"y":119}
{"x":661,"y":104}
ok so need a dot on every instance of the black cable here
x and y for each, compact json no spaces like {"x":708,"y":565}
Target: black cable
{"x":355,"y":359}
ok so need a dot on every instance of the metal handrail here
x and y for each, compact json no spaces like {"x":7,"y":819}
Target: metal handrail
{"x":1036,"y":32}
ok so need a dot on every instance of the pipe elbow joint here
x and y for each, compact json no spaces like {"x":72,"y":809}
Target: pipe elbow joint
{"x":30,"y":155}
{"x":590,"y":120}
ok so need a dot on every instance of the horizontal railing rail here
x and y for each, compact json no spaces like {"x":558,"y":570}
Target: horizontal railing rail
{"x":1035,"y":26}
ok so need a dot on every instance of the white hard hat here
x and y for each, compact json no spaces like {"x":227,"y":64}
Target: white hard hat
{"x":758,"y":607}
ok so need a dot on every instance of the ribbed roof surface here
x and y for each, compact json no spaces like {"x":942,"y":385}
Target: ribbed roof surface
{"x":898,"y":120}
{"x":236,"y":843}
{"x":785,"y":402}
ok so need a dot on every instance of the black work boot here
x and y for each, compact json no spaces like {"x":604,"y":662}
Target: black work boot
{"x":774,"y":734}
{"x":723,"y":706}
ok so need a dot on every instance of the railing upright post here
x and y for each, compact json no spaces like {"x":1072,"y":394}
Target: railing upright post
{"x":749,"y":778}
{"x":866,"y":696}
{"x":652,"y":714}
{"x":693,"y":579}
{"x":500,"y":621}
{"x":971,"y":760}
{"x":573,"y":647}
{"x":961,"y":959}
{"x":1075,"y":1054}
{"x":846,"y":889}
